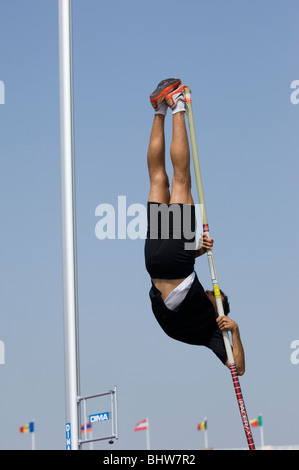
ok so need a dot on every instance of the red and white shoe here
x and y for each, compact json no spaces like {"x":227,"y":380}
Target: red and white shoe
{"x":164,"y":87}
{"x":176,"y":95}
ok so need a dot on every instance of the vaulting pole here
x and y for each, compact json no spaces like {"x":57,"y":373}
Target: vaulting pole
{"x":216,"y":288}
{"x":68,"y":224}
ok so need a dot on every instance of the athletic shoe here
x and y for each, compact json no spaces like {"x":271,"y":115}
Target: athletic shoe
{"x":165,"y":86}
{"x":176,"y":95}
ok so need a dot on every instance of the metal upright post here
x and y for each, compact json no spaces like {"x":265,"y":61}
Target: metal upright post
{"x":68,"y":223}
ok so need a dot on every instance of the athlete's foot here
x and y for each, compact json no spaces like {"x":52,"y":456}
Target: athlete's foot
{"x":176,"y":99}
{"x":163,"y":89}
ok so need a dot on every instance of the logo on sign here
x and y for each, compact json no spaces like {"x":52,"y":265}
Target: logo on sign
{"x":99,"y":417}
{"x":68,"y":436}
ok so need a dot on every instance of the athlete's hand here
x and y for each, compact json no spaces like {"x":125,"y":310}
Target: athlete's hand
{"x":206,"y":242}
{"x":226,"y":324}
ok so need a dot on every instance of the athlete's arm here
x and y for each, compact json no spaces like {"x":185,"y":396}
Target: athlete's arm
{"x":227,"y":324}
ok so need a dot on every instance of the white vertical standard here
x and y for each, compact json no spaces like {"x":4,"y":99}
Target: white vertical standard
{"x":68,"y":223}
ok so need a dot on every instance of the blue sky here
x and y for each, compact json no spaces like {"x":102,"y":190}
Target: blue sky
{"x":239,"y":58}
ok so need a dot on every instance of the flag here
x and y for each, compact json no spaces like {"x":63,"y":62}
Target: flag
{"x":88,"y":428}
{"x":202,"y":426}
{"x":29,"y":427}
{"x":142,"y":426}
{"x":256,"y":422}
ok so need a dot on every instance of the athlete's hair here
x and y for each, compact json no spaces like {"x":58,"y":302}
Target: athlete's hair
{"x":225,"y":303}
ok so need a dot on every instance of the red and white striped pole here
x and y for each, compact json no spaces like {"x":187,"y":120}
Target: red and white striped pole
{"x":216,"y":288}
{"x":242,"y":408}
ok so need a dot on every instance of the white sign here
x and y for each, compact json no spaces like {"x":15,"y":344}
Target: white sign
{"x":99,"y":417}
{"x":68,"y":436}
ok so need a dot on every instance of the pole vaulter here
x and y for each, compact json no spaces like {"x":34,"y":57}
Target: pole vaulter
{"x":216,"y":288}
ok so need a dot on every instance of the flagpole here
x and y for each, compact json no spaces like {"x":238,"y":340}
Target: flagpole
{"x":68,"y":223}
{"x":262,"y":432}
{"x":33,"y":441}
{"x":147,"y":435}
{"x":206,"y":433}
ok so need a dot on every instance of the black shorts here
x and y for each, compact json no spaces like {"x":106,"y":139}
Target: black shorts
{"x":170,"y":243}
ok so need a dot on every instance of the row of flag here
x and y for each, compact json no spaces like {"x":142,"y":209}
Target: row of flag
{"x":143,"y":426}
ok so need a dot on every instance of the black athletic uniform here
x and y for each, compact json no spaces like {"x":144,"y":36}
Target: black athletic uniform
{"x":166,"y":257}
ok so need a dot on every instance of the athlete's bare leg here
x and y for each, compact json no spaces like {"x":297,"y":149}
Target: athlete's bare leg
{"x":159,"y":182}
{"x":180,"y":156}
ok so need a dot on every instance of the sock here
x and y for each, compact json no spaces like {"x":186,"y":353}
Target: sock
{"x":180,"y":106}
{"x":162,"y":109}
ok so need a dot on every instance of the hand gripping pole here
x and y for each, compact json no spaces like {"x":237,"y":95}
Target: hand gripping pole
{"x":216,"y":289}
